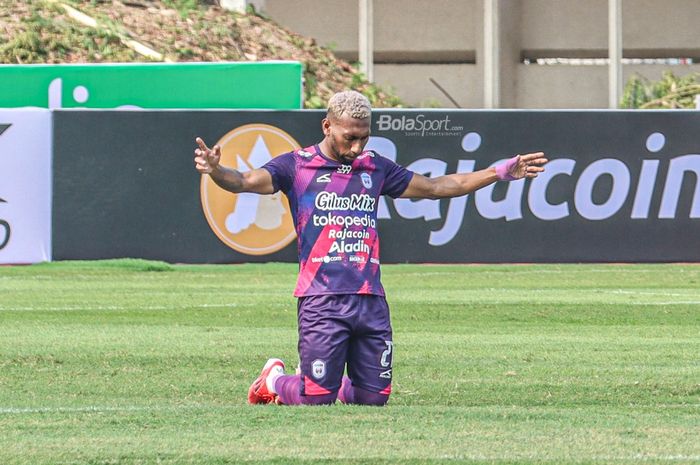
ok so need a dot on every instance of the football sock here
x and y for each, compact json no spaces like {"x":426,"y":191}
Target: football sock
{"x":288,"y":388}
{"x":350,"y":394}
{"x":275,"y":373}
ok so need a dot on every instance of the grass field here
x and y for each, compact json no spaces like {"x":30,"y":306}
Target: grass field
{"x":134,"y":362}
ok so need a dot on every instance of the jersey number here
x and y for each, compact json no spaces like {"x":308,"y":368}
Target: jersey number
{"x":386,"y":355}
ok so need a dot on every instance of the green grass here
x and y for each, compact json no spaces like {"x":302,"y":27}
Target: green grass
{"x":136,"y":362}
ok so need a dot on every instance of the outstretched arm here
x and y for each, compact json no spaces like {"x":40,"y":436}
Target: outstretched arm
{"x":206,"y":161}
{"x":454,"y":185}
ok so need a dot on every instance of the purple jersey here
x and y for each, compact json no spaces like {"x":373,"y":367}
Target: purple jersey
{"x":334,"y":206}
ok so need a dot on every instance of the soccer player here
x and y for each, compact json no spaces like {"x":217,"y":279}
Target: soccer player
{"x":333,"y":189}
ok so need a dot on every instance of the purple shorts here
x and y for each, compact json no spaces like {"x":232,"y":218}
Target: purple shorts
{"x":352,"y":329}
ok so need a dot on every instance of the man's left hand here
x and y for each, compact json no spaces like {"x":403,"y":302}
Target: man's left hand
{"x":522,"y":166}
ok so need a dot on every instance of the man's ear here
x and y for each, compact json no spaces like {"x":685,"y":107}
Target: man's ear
{"x":326,"y":127}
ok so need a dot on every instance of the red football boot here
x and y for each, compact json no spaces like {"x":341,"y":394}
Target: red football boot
{"x":258,"y":392}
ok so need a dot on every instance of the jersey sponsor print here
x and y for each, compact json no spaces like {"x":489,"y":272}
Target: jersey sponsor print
{"x":334,"y":207}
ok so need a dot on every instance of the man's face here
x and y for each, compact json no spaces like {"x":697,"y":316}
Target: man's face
{"x":347,"y":137}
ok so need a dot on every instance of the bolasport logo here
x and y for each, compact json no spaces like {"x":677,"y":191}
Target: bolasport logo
{"x":5,"y":229}
{"x":419,"y":125}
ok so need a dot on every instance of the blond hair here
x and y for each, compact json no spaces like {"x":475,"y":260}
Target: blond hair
{"x":351,"y":103}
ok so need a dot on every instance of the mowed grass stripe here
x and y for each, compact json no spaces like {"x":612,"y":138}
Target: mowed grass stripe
{"x":137,"y":362}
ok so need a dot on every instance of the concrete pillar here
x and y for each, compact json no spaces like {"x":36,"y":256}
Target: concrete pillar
{"x":241,"y":5}
{"x":501,"y":52}
{"x":614,"y":53}
{"x":509,"y":37}
{"x":491,"y":57}
{"x":366,"y":38}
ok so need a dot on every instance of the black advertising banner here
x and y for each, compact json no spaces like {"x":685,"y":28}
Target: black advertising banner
{"x":125,"y":184}
{"x":621,"y":186}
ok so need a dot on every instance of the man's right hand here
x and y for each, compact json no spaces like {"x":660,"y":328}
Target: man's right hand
{"x":206,"y":160}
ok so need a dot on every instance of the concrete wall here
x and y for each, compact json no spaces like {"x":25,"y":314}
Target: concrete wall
{"x":412,"y":83}
{"x":647,"y":25}
{"x":576,"y":86}
{"x":399,"y":26}
{"x":443,"y":40}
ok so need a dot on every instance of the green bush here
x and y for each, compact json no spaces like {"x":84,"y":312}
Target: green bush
{"x":670,"y":91}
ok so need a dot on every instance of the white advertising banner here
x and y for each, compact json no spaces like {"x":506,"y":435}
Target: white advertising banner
{"x":25,"y":186}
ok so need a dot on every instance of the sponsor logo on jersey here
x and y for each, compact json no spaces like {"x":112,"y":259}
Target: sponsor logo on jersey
{"x":331,"y":201}
{"x":326,"y":259}
{"x":249,"y":223}
{"x":305,"y":154}
{"x":344,"y":169}
{"x":324,"y":178}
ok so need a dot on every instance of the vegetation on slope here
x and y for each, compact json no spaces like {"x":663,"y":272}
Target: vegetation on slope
{"x":40,"y":31}
{"x":669,"y":92}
